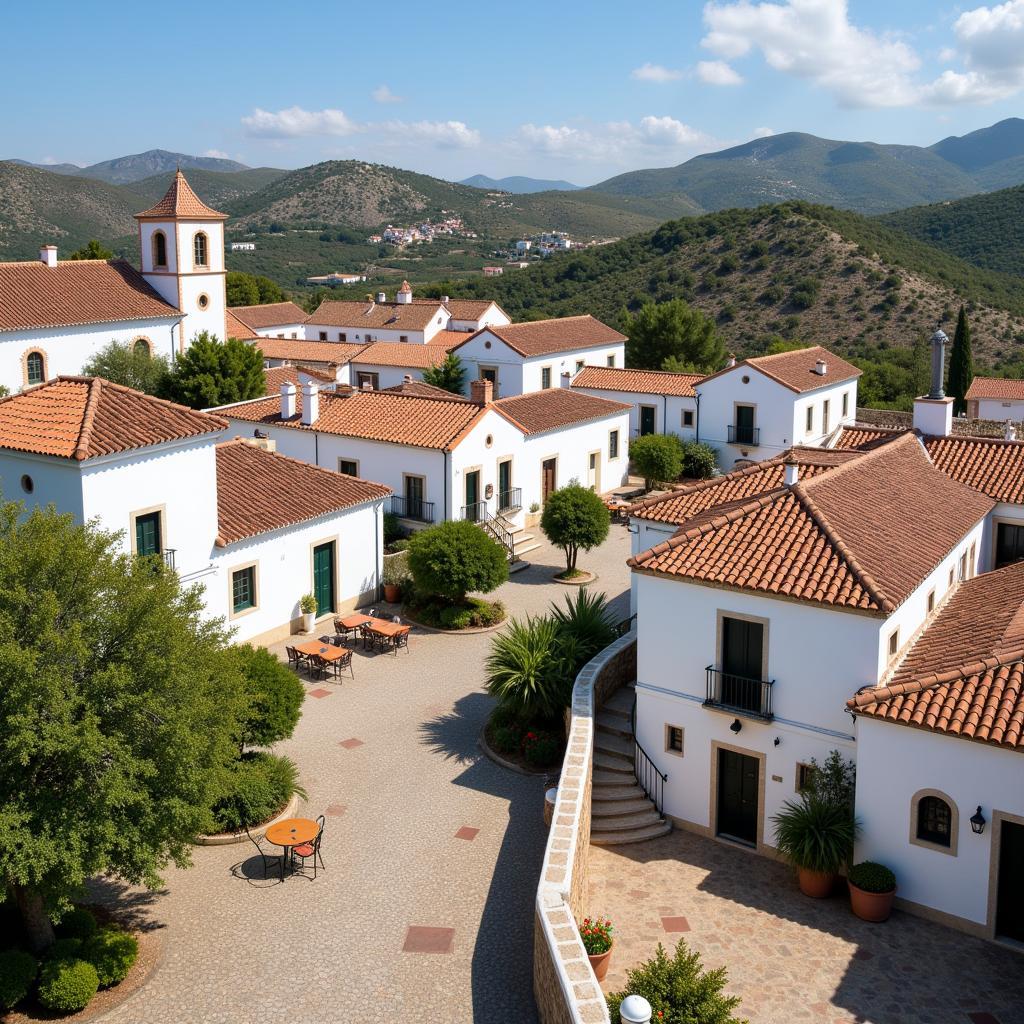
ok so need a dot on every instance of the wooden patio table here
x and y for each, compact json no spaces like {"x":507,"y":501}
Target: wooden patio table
{"x":290,"y":833}
{"x":385,"y":630}
{"x":326,"y":651}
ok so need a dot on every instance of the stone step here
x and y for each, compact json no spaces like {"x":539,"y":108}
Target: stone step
{"x":614,"y":722}
{"x":629,"y":822}
{"x":620,"y":714}
{"x":613,"y":780}
{"x":607,"y":794}
{"x":636,"y":835}
{"x":620,"y":808}
{"x":614,"y":763}
{"x":615,"y":743}
{"x":620,"y":700}
{"x":525,"y":550}
{"x":517,"y":566}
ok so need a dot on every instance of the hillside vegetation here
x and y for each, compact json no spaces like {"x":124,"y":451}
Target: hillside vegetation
{"x":216,"y":188}
{"x":986,"y":230}
{"x":794,"y":271}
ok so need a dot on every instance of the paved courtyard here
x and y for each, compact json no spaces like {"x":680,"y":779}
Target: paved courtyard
{"x":791,"y":958}
{"x":423,"y":832}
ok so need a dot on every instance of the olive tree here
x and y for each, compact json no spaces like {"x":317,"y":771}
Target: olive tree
{"x":454,"y":558}
{"x":574,"y":518}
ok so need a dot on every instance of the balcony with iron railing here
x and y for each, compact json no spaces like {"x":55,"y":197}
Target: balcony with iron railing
{"x":412,"y":508}
{"x":751,"y":698}
{"x":475,"y":511}
{"x":166,"y":556}
{"x":510,"y":500}
{"x":739,"y":433}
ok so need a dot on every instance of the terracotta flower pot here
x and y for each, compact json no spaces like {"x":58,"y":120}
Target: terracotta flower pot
{"x":817,"y":884}
{"x":599,"y":962}
{"x":392,"y":593}
{"x":871,"y":906}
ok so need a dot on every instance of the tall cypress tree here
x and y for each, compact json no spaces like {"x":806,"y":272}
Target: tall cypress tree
{"x":961,"y":364}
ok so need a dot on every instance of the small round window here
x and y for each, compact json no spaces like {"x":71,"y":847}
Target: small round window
{"x":487,"y":344}
{"x":746,"y":380}
{"x":204,"y":301}
{"x":488,"y":440}
{"x":27,"y":484}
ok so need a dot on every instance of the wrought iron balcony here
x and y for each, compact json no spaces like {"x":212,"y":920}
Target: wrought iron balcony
{"x":739,"y":434}
{"x":168,"y":556}
{"x":510,"y":500}
{"x":749,"y":697}
{"x":475,"y":511}
{"x":412,"y":508}
{"x":154,"y":558}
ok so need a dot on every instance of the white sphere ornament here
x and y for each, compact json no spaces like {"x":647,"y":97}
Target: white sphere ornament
{"x":635,"y":1010}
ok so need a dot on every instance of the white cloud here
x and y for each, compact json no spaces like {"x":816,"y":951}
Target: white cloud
{"x":219,"y":154}
{"x":718,"y":72}
{"x":655,"y":138}
{"x":453,"y":134}
{"x":382,"y":94}
{"x":295,"y":122}
{"x":763,"y":133}
{"x":655,"y":73}
{"x":550,"y":139}
{"x":946,"y":54}
{"x":667,"y":131}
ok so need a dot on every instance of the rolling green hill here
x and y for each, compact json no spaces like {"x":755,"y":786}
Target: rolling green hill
{"x":217,"y":188}
{"x":124,"y":170}
{"x":986,"y":230}
{"x":792,"y":270}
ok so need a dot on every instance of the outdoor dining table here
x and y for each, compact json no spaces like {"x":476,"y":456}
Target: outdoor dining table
{"x":383,"y":630}
{"x":352,"y":623}
{"x":314,"y":648}
{"x":290,"y":833}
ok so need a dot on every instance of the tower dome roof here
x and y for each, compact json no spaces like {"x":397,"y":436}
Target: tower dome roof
{"x":181,"y":202}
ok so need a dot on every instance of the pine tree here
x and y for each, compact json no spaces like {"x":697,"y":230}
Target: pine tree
{"x":961,"y":365}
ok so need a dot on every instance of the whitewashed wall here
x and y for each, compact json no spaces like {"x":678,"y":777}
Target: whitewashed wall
{"x":995,"y":409}
{"x":894,"y":763}
{"x":668,"y":411}
{"x":357,"y":333}
{"x":815,"y":400}
{"x":569,"y":362}
{"x":291,"y":331}
{"x":49,"y":480}
{"x":387,"y":376}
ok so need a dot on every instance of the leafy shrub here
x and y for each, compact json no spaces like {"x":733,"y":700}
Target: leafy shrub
{"x":112,"y":951}
{"x":77,"y":923}
{"x":657,"y":457}
{"x":392,"y":528}
{"x":805,"y":292}
{"x":67,"y":985}
{"x":307,"y":604}
{"x":506,"y":739}
{"x":679,"y":990}
{"x":454,"y":617}
{"x":17,"y":972}
{"x":574,"y":517}
{"x":815,"y":834}
{"x":728,"y":263}
{"x":453,"y":558}
{"x":258,"y":786}
{"x":872,"y":877}
{"x":275,"y":695}
{"x":587,"y":621}
{"x":67,"y":948}
{"x":503,"y":716}
{"x":698,"y":460}
{"x":523,"y":672}
{"x":834,"y":781}
{"x":402,"y":544}
{"x":773,"y":293}
{"x":540,"y":748}
{"x":396,"y":568}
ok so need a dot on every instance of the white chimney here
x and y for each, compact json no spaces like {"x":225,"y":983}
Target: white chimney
{"x":933,"y":413}
{"x":287,"y":400}
{"x":310,"y":403}
{"x":382,"y":297}
{"x":48,"y":255}
{"x":404,"y":295}
{"x":407,"y":379}
{"x":444,"y":300}
{"x":792,"y":471}
{"x":819,"y":367}
{"x":1010,"y":431}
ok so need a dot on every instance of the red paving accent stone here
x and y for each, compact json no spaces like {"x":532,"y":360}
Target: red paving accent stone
{"x":336,"y":810}
{"x":351,"y":744}
{"x":420,"y":939}
{"x":319,"y":693}
{"x":982,"y":1018}
{"x":466,"y":832}
{"x":675,"y":924}
{"x":638,"y":894}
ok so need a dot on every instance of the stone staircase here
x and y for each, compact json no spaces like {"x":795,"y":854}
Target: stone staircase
{"x":620,"y":810}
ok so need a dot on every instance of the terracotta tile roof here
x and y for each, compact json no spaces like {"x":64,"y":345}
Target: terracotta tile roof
{"x":795,"y":370}
{"x":865,"y":437}
{"x":236,"y":329}
{"x":275,"y":376}
{"x":270,"y":314}
{"x":33,"y":295}
{"x":375,"y":416}
{"x":259,"y":491}
{"x":399,"y":353}
{"x":832,"y":539}
{"x":641,"y":382}
{"x":181,"y":201}
{"x":987,"y":464}
{"x":470,"y":309}
{"x":538,"y":411}
{"x":679,"y":506}
{"x":565,"y":334}
{"x":82,"y":417}
{"x":337,"y":353}
{"x":394,"y":316}
{"x":997,"y":388}
{"x":423,"y":390}
{"x":448,"y":339}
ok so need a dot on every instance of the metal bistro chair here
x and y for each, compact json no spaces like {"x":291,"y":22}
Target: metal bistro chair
{"x":335,"y":665}
{"x":294,"y":657}
{"x":268,"y":858}
{"x":311,"y":849}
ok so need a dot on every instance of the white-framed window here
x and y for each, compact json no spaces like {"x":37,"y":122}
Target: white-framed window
{"x":201,"y":249}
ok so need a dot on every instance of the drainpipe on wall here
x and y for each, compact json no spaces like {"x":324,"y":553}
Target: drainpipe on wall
{"x":444,"y":474}
{"x":376,"y":550}
{"x":664,"y":414}
{"x":696,"y":418}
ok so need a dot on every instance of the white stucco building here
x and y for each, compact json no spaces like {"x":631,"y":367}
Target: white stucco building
{"x":993,"y":398}
{"x":271,"y":320}
{"x":255,"y":529}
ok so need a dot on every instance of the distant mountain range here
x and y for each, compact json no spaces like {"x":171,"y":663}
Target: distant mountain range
{"x":124,"y":170}
{"x":862,"y":176}
{"x":519,"y":185}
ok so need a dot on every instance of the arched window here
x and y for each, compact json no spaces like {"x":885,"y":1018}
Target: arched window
{"x":934,"y":820}
{"x":200,"y":250}
{"x":142,"y":347}
{"x":159,"y":249}
{"x":35,"y":368}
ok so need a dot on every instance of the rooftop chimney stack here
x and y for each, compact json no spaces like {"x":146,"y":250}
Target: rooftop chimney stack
{"x":1010,"y":431}
{"x":482,"y":391}
{"x":382,"y":297}
{"x":407,"y":378}
{"x":792,"y":473}
{"x":731,"y":361}
{"x":933,"y":413}
{"x":310,"y":403}
{"x":287,"y":400}
{"x":820,"y":367}
{"x":445,"y":300}
{"x":48,"y":255}
{"x":404,"y":296}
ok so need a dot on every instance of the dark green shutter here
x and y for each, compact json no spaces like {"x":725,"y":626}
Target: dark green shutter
{"x":323,"y":578}
{"x":147,"y":534}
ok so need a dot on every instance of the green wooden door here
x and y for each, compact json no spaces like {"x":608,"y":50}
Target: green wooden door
{"x":473,"y":494}
{"x":646,"y":420}
{"x":147,"y":534}
{"x":323,"y":577}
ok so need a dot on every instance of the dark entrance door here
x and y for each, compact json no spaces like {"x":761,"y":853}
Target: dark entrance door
{"x":323,"y":577}
{"x":1010,"y":895}
{"x":646,"y":420}
{"x":737,"y":796}
{"x":489,"y":373}
{"x":147,"y":534}
{"x":505,"y":484}
{"x":744,"y":424}
{"x":473,"y":495}
{"x":742,"y":648}
{"x":547,"y":471}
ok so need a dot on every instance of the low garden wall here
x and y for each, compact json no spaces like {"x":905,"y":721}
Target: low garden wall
{"x":564,"y":986}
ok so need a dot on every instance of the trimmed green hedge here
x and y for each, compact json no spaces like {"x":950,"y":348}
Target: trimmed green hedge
{"x":17,"y":972}
{"x":259,"y":786}
{"x":78,"y":923}
{"x":112,"y":952}
{"x":67,"y":985}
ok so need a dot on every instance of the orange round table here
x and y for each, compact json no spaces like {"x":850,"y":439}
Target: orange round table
{"x":291,"y":832}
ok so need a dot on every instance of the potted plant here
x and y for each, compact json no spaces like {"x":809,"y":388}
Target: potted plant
{"x":872,"y":891}
{"x":816,"y":836}
{"x":596,"y":934}
{"x":307,"y":605}
{"x":393,"y":576}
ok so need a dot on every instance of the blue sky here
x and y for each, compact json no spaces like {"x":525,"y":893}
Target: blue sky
{"x":560,"y":88}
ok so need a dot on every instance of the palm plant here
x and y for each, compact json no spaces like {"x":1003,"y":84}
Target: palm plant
{"x":815,"y":834}
{"x":587,"y":619}
{"x":524,"y":671}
